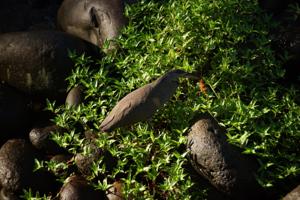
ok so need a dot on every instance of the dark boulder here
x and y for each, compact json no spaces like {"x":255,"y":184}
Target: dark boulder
{"x":14,"y":113}
{"x":93,"y":154}
{"x":84,"y":161}
{"x":38,"y":62}
{"x":275,"y":6}
{"x":26,"y":15}
{"x":219,"y":162}
{"x":17,"y":162}
{"x":7,"y":195}
{"x":75,"y":96}
{"x":41,"y":139}
{"x":61,"y":160}
{"x":115,"y":192}
{"x":293,"y":195}
{"x":77,"y":188}
{"x":92,"y":20}
{"x":38,"y":183}
{"x":288,"y":40}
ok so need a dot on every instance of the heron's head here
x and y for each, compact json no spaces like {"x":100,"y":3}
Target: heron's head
{"x":175,"y":74}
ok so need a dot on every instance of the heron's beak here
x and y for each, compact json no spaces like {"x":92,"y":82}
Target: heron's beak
{"x":193,"y":76}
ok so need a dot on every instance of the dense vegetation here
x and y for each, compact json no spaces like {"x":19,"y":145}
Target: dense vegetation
{"x":228,"y":43}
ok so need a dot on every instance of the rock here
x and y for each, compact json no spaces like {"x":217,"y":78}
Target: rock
{"x":74,"y":97}
{"x":17,"y":162}
{"x":200,"y":184}
{"x":38,"y":183}
{"x":289,"y":41}
{"x":90,"y":135}
{"x":63,"y":159}
{"x":7,"y":195}
{"x":17,"y":15}
{"x":131,"y":1}
{"x":293,"y":195}
{"x":14,"y":113}
{"x":77,"y":188}
{"x":84,"y":162}
{"x":41,"y":139}
{"x":37,"y":62}
{"x":219,"y":162}
{"x":92,"y":20}
{"x":275,"y":6}
{"x":115,"y":192}
{"x":26,"y":15}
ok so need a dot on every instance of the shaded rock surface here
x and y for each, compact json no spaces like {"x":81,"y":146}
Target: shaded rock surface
{"x":14,"y":112}
{"x":289,"y":40}
{"x":92,"y":20}
{"x":16,"y":168}
{"x":219,"y":162}
{"x":37,"y":62}
{"x":85,"y":161}
{"x":41,"y":139}
{"x":61,"y":159}
{"x":77,"y":188}
{"x":44,"y":182}
{"x":115,"y":192}
{"x":7,"y":195}
{"x":293,"y":195}
{"x":201,"y":184}
{"x":285,"y":37}
{"x":275,"y":6}
{"x":75,"y":96}
{"x":26,"y":15}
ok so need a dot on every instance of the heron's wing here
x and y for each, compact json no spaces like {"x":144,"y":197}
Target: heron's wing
{"x":127,"y":105}
{"x":115,"y":115}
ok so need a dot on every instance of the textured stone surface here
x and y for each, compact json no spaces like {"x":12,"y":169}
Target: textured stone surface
{"x":14,"y":112}
{"x":77,"y":188}
{"x":26,"y":15}
{"x":219,"y":162}
{"x":41,"y":139}
{"x":92,"y":20}
{"x":37,"y":62}
{"x":288,"y":40}
{"x":275,"y":6}
{"x":84,"y":162}
{"x":293,"y":195}
{"x":7,"y":195}
{"x":115,"y":192}
{"x":16,"y":164}
{"x":64,"y":159}
{"x":75,"y":96}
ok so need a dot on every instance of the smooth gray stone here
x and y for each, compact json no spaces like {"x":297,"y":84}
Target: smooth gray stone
{"x":219,"y":162}
{"x":92,"y":20}
{"x":77,"y":188}
{"x":38,"y":62}
{"x":14,"y":112}
{"x":16,"y":165}
{"x":293,"y":195}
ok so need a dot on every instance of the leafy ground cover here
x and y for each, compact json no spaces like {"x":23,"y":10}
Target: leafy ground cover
{"x":228,"y":43}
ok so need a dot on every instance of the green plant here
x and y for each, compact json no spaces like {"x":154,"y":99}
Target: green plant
{"x":28,"y":195}
{"x":228,"y":42}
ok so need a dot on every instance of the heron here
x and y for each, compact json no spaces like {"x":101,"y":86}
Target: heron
{"x":142,"y":103}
